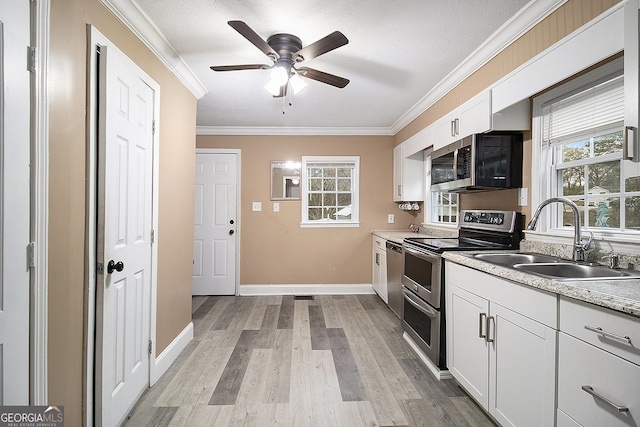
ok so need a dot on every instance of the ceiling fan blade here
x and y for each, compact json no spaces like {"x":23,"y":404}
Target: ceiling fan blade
{"x":240,"y":67}
{"x":322,"y":46}
{"x":323,"y":77}
{"x":254,"y":38}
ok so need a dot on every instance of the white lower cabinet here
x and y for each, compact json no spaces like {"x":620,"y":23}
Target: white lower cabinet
{"x":379,"y":273}
{"x":597,"y":381}
{"x":501,"y":345}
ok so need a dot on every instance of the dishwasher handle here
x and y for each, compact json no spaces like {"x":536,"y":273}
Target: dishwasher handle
{"x":395,"y":247}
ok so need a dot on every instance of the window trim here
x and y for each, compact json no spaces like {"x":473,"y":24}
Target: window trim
{"x":543,"y":169}
{"x":355,"y":196}
{"x":428,"y":199}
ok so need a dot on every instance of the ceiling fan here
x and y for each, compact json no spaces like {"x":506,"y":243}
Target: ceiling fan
{"x":286,"y":51}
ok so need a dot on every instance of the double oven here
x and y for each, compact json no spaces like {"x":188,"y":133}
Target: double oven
{"x":423,"y":314}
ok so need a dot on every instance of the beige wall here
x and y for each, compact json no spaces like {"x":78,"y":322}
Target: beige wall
{"x":274,"y":249}
{"x":67,"y":163}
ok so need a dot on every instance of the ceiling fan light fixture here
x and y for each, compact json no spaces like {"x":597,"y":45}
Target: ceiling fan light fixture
{"x":279,"y":76}
{"x":273,"y":88}
{"x":297,"y":84}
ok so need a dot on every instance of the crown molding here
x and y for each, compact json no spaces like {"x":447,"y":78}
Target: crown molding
{"x":278,"y":130}
{"x":141,"y":25}
{"x":526,"y":18}
{"x":130,"y":14}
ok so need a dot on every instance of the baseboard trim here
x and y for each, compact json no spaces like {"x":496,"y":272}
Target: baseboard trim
{"x":171,"y":353}
{"x":305,"y":289}
{"x":440,"y":374}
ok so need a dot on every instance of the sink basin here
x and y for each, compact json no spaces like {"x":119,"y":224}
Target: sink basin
{"x":510,"y":259}
{"x":571,"y":271}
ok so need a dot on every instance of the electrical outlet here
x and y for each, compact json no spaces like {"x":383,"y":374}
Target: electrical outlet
{"x":391,"y":218}
{"x":276,"y":207}
{"x":257,"y":206}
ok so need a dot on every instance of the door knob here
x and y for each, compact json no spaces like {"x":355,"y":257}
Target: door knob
{"x":231,"y":232}
{"x":114,"y":266}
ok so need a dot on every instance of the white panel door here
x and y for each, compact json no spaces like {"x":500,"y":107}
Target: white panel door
{"x":14,"y":202}
{"x":125,"y":212}
{"x":215,"y":224}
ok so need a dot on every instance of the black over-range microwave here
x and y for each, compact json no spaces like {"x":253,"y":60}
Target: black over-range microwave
{"x":488,"y":161}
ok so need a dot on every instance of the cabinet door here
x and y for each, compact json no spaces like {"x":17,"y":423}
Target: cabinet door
{"x":444,"y":131}
{"x":475,"y":115}
{"x":376,"y":272}
{"x":521,"y":369}
{"x":467,"y":349}
{"x":631,"y":76}
{"x":397,"y":173}
{"x":379,"y":274}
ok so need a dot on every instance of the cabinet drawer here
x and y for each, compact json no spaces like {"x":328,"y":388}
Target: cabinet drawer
{"x":610,"y":377}
{"x":379,"y":242}
{"x":580,"y":319}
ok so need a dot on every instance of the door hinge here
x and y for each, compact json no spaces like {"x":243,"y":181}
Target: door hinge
{"x":100,"y":268}
{"x":31,"y":66}
{"x":153,"y":236}
{"x":150,"y":346}
{"x":31,"y":254}
{"x":153,"y":127}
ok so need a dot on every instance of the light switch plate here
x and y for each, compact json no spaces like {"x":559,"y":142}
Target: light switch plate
{"x":257,"y":206}
{"x":523,"y":195}
{"x":391,"y":218}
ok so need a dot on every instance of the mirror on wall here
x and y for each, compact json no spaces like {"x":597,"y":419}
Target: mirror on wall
{"x":285,"y":180}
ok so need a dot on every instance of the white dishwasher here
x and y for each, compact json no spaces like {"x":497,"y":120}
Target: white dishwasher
{"x":394,"y":277}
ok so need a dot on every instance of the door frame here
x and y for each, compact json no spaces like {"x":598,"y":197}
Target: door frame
{"x":238,"y":154}
{"x":96,"y":40}
{"x":39,"y":317}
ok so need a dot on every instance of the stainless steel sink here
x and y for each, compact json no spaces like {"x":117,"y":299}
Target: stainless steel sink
{"x":555,"y":268}
{"x":572,"y":271}
{"x":510,"y":259}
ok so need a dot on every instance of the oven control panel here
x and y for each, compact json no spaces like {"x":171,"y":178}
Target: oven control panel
{"x":489,"y":220}
{"x":483,"y":217}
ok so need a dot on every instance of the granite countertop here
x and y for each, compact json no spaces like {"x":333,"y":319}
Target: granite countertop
{"x":622,"y":295}
{"x":394,"y":235}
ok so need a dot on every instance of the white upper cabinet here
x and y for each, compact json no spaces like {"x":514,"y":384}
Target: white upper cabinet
{"x":476,"y":116}
{"x":408,"y":175}
{"x":631,"y":76}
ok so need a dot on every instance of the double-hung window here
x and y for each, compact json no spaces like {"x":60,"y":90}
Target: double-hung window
{"x":580,"y":143}
{"x":330,"y":191}
{"x":440,"y":207}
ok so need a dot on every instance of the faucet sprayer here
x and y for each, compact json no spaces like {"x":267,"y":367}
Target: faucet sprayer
{"x":578,"y":246}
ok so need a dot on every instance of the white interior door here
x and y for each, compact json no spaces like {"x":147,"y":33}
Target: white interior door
{"x":14,"y":202}
{"x":125,"y":184}
{"x":215,"y":233}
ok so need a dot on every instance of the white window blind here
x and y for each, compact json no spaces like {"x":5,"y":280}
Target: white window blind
{"x":585,"y":112}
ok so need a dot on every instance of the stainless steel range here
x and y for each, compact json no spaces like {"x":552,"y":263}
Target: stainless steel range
{"x":423,"y":317}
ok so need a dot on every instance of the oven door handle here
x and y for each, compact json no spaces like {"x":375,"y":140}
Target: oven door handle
{"x":422,"y":307}
{"x":421,"y":255}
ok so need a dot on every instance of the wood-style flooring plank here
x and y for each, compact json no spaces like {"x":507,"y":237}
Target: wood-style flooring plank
{"x":275,"y":361}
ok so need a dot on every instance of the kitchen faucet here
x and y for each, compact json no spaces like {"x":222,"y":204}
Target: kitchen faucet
{"x":578,"y":246}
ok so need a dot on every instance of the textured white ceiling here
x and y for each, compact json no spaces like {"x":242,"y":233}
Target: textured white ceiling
{"x":398,"y":51}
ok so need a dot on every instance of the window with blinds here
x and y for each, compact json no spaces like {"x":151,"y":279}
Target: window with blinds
{"x":330,"y":191}
{"x":583,"y":134}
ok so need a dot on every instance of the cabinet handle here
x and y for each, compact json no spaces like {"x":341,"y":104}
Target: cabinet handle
{"x":453,"y":128}
{"x":489,"y":319}
{"x":629,"y":144}
{"x":480,"y":324}
{"x":456,"y":126}
{"x":593,"y":393}
{"x":377,"y":258}
{"x":399,"y":189}
{"x":598,"y":330}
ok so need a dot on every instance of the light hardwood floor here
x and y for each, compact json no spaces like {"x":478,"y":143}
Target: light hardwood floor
{"x":278,"y":360}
